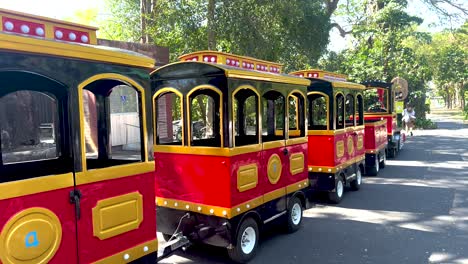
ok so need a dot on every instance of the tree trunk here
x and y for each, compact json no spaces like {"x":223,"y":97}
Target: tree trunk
{"x":146,"y":12}
{"x":211,"y":25}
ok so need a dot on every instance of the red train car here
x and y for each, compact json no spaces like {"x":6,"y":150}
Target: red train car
{"x":230,"y":149}
{"x":380,"y":104}
{"x":76,"y":163}
{"x":375,"y":143}
{"x":335,"y":132}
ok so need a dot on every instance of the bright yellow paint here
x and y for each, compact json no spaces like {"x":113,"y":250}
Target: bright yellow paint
{"x":247,"y":177}
{"x":360,"y":141}
{"x":135,"y":253}
{"x":273,"y":144}
{"x":295,"y":141}
{"x":14,"y":189}
{"x":274,"y":169}
{"x":296,"y":163}
{"x":155,"y":96}
{"x":61,"y":49}
{"x":270,"y":196}
{"x":208,"y":151}
{"x":339,"y":149}
{"x":37,"y":226}
{"x":350,"y":145}
{"x":117,"y":215}
{"x":114,"y":172}
{"x":297,"y":186}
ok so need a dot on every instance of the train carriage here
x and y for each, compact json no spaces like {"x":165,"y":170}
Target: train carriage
{"x":335,"y":132}
{"x":76,"y":169}
{"x":380,"y":104}
{"x":230,"y":149}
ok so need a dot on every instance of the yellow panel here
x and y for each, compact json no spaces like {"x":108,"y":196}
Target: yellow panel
{"x":117,"y":215}
{"x":134,"y":253}
{"x":114,"y":172}
{"x":273,"y":144}
{"x":247,"y":177}
{"x":360,"y":142}
{"x":296,"y":163}
{"x":274,"y":195}
{"x":274,"y":169}
{"x":350,"y":145}
{"x":31,"y":236}
{"x":294,"y":141}
{"x":35,"y":185}
{"x":340,"y":149}
{"x":297,"y":186}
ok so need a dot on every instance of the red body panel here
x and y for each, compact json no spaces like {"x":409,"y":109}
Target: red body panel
{"x":375,"y":136}
{"x":91,"y":248}
{"x":60,"y":206}
{"x":391,"y":122}
{"x":321,"y":149}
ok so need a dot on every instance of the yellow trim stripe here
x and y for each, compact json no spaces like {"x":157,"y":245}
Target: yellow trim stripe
{"x":135,"y":253}
{"x":86,"y":52}
{"x":325,"y":169}
{"x":233,"y":211}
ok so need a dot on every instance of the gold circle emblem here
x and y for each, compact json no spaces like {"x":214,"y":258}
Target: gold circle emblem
{"x":31,"y":236}
{"x":350,"y":146}
{"x":274,"y":169}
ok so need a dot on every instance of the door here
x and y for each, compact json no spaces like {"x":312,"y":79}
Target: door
{"x":37,"y":220}
{"x":116,"y":219}
{"x":274,"y":152}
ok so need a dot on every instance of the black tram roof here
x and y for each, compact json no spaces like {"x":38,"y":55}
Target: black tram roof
{"x":193,"y":69}
{"x":377,"y":84}
{"x":328,"y":86}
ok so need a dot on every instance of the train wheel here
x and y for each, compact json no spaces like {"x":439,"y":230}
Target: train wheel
{"x":392,"y":152}
{"x":247,"y":242}
{"x":337,"y":195}
{"x":295,"y":210}
{"x":356,"y":183}
{"x":384,"y":160}
{"x":375,"y":170}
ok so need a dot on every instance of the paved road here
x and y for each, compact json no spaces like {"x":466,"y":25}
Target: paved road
{"x":415,"y":211}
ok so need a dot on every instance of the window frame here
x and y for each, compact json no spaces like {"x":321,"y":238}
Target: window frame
{"x":327,"y":102}
{"x":359,"y":111}
{"x":258,"y":114}
{"x":285,"y":117}
{"x":336,"y":111}
{"x":353,"y":112}
{"x":154,"y":99}
{"x":299,"y":116}
{"x":221,"y":116}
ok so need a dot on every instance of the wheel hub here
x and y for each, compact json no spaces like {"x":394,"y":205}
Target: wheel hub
{"x":248,"y":240}
{"x":296,"y":214}
{"x":339,"y":188}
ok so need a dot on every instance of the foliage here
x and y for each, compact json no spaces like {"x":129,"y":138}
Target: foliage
{"x":425,"y":124}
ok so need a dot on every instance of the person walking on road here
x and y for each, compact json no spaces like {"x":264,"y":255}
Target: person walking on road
{"x":409,"y":117}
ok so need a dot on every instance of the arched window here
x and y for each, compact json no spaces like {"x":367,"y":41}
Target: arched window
{"x":205,"y":118}
{"x":245,"y":110}
{"x":273,"y":116}
{"x":168,"y":116}
{"x":318,"y":111}
{"x":296,"y":115}
{"x":359,"y":110}
{"x":112,"y":124}
{"x":350,"y":111}
{"x":340,"y":111}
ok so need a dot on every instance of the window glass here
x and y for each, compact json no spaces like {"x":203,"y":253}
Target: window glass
{"x":112,"y":125}
{"x":375,"y":100}
{"x":273,"y":116}
{"x":205,"y":119}
{"x":245,"y":118}
{"x":29,"y":127}
{"x":318,"y":110}
{"x":349,"y":106}
{"x":359,"y":111}
{"x":296,"y":116}
{"x":339,"y":111}
{"x":169,"y":119}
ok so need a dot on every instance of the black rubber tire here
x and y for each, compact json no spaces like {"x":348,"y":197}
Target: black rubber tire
{"x":384,"y":160}
{"x":291,"y":227}
{"x":355,"y":184}
{"x":235,"y":253}
{"x":392,"y":153}
{"x":373,"y":171}
{"x":333,"y":197}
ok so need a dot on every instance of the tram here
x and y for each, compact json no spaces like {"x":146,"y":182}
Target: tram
{"x":230,"y":149}
{"x":379,"y":104}
{"x":76,"y":163}
{"x":336,"y":128}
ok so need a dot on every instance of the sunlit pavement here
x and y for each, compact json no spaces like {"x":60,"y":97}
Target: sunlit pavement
{"x":415,"y":211}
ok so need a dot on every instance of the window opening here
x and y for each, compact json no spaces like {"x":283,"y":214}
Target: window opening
{"x":376,"y":100}
{"x":273,"y":116}
{"x":169,"y":119}
{"x":205,"y":118}
{"x":349,"y":106}
{"x":296,"y":116}
{"x":112,"y":124}
{"x":245,"y":109}
{"x":29,"y":125}
{"x":318,"y":110}
{"x":340,"y":111}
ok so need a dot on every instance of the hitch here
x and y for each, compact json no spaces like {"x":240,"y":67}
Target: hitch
{"x":179,"y":242}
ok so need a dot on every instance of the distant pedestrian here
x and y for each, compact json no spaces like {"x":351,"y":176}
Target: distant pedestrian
{"x":409,"y":118}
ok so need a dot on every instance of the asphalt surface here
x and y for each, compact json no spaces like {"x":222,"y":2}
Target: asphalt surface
{"x":415,"y":211}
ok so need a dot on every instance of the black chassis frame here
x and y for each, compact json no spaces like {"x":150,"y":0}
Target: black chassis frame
{"x":326,"y":182}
